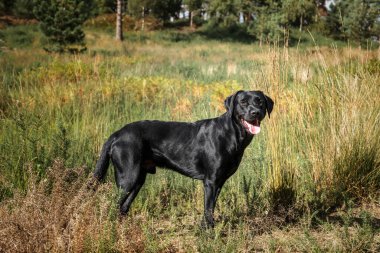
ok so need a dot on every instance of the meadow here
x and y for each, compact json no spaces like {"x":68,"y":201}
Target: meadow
{"x":309,"y":182}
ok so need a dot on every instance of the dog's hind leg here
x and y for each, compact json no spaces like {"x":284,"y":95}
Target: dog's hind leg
{"x":130,"y":193}
{"x":129,"y":175}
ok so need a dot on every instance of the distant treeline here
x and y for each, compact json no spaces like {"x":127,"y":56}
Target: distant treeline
{"x":266,"y":20}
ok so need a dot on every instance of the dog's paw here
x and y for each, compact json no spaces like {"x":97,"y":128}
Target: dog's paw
{"x":205,"y":225}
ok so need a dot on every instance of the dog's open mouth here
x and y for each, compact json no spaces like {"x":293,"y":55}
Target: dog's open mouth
{"x":252,"y":127}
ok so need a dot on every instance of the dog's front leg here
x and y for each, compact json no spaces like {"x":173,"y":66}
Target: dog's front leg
{"x":210,"y":192}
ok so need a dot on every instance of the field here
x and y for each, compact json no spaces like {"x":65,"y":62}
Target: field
{"x":309,"y":182}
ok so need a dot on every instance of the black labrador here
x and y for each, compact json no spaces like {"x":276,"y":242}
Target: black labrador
{"x":209,"y":150}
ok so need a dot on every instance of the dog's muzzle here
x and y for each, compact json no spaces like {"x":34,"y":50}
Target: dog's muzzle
{"x":253,"y":128}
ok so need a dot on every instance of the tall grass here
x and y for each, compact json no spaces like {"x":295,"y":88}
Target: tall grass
{"x":319,"y":150}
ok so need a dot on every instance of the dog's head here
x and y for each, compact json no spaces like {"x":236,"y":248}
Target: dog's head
{"x":249,"y":109}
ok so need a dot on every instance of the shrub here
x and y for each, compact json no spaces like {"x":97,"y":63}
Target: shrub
{"x":61,"y":22}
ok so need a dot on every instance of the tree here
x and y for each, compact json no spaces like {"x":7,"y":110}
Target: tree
{"x":161,"y":9}
{"x":334,"y":22}
{"x":299,"y":12}
{"x":247,"y":8}
{"x":269,"y":24}
{"x":224,"y":13}
{"x":193,"y":6}
{"x":61,"y":21}
{"x":137,"y":7}
{"x":354,"y":19}
{"x":105,"y":6}
{"x":119,"y":20}
{"x":358,"y":24}
{"x":164,"y":9}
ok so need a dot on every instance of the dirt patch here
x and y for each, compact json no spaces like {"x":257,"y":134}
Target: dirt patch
{"x":10,"y":21}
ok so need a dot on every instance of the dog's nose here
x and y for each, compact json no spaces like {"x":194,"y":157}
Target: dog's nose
{"x":254,"y":113}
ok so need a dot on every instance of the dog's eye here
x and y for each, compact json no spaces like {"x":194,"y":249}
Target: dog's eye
{"x":259,"y":102}
{"x":244,"y":102}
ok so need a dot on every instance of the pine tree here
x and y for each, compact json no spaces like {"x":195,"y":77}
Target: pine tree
{"x":299,"y":12}
{"x":61,"y":21}
{"x":224,"y":13}
{"x":360,"y":19}
{"x":270,"y":21}
{"x":354,"y":19}
{"x":334,"y":22}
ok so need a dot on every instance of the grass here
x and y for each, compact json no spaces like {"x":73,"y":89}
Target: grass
{"x":308,"y":182}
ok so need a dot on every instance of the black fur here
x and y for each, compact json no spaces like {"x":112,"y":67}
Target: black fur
{"x":209,"y":150}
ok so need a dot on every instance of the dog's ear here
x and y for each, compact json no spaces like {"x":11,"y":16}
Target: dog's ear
{"x":229,"y":103}
{"x":269,"y":103}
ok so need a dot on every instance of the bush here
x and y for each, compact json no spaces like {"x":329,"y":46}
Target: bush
{"x":19,"y":36}
{"x":61,"y":22}
{"x":23,"y":8}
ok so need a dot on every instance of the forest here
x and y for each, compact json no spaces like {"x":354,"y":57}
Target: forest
{"x":263,"y":20}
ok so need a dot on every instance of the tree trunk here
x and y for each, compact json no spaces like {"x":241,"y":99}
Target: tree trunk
{"x":143,"y":18}
{"x":119,"y":20}
{"x":191,"y":18}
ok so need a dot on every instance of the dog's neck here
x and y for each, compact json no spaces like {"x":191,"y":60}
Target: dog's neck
{"x":243,"y":138}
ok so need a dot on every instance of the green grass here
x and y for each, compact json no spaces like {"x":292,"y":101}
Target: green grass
{"x":318,"y":153}
{"x":20,"y":36}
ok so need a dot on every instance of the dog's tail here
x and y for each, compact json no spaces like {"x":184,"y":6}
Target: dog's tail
{"x":104,"y":160}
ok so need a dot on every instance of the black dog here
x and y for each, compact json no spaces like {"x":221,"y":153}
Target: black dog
{"x":209,"y":150}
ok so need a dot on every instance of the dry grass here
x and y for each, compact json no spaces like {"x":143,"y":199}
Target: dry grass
{"x":62,"y":213}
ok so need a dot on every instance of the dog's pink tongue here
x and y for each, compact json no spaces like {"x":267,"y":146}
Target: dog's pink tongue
{"x":253,"y":129}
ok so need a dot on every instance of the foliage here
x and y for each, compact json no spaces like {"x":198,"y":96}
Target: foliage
{"x":23,"y":8}
{"x":2,"y":7}
{"x":270,"y":22}
{"x":104,"y":6}
{"x":61,"y":22}
{"x":224,"y":13}
{"x":162,"y":9}
{"x":266,"y":20}
{"x":357,"y":25}
{"x":193,"y":5}
{"x":136,"y":8}
{"x":298,"y":13}
{"x":165,"y":9}
{"x":6,"y":6}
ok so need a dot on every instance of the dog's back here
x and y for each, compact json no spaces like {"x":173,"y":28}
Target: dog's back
{"x":187,"y":148}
